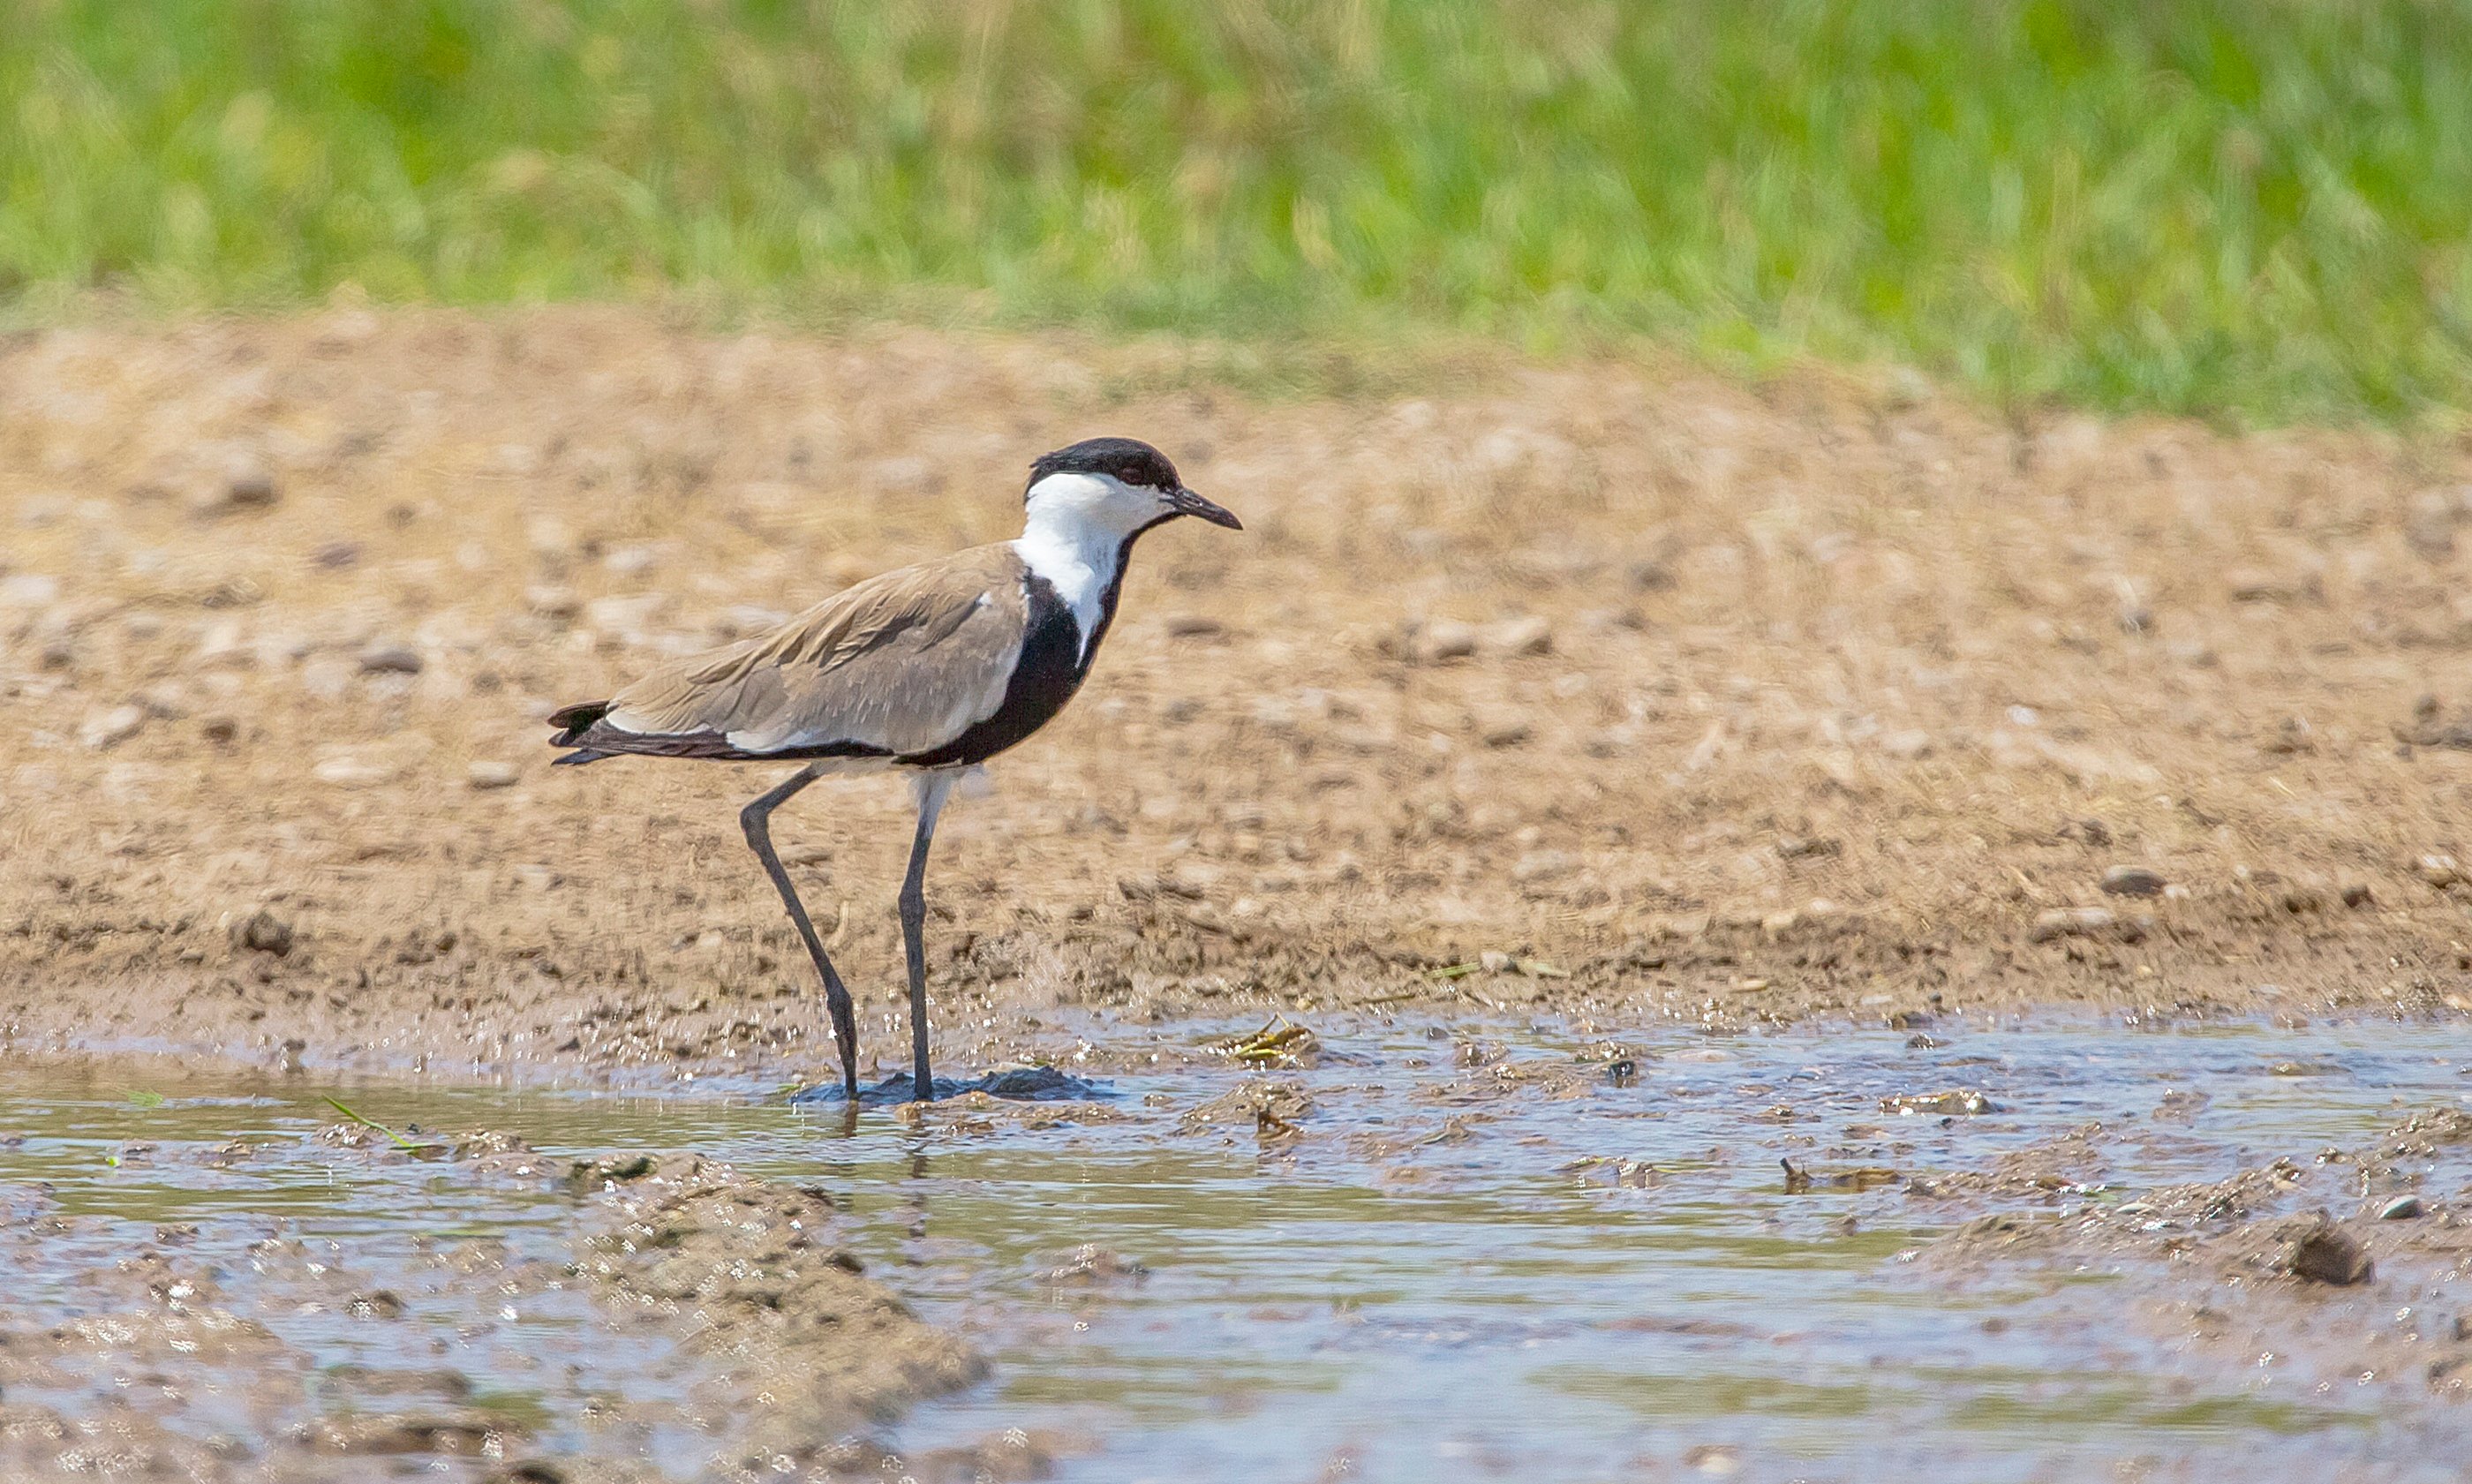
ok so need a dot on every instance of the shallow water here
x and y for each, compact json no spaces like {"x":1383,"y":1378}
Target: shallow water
{"x":1421,"y":1285}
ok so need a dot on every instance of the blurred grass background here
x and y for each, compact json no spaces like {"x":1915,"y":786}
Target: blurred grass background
{"x":2257,"y":208}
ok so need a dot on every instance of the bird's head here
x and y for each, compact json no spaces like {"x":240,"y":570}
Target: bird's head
{"x":1112,"y":487}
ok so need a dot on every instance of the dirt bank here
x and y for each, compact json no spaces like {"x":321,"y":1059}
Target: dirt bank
{"x":1674,"y":697}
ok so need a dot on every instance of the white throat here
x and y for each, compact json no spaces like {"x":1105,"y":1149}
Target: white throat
{"x":1074,"y":537}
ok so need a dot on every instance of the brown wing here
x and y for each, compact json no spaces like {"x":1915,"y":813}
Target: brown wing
{"x":899,"y":664}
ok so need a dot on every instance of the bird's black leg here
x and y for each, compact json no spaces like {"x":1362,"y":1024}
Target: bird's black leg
{"x":931,"y":790}
{"x":755,"y":820}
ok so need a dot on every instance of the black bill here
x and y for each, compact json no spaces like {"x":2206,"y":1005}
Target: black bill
{"x":1185,"y":502}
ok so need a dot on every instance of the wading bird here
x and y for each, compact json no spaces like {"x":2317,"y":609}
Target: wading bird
{"x":930,"y":669}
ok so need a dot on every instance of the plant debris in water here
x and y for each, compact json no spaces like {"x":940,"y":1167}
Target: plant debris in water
{"x":1282,"y":1043}
{"x":424,"y":1150}
{"x":1960,"y":1101}
{"x":1799,"y":1180}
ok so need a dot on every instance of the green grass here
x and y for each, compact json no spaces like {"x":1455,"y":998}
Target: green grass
{"x":2259,"y":209}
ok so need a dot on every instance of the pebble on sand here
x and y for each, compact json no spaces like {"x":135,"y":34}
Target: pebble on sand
{"x":550,"y":601}
{"x":488,"y":773}
{"x":1443,"y":639}
{"x":1526,"y":635}
{"x":2403,"y":1208}
{"x":248,"y":487}
{"x":1504,"y":729}
{"x":111,"y":727}
{"x":379,"y":657}
{"x":28,"y":590}
{"x":2132,"y":881}
{"x":2063,"y":921}
{"x":262,"y":933}
{"x":350,"y":772}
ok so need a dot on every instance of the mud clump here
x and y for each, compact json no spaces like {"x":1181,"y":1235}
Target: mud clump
{"x":2324,"y":1253}
{"x":1273,"y":1109}
{"x":469,"y":1432}
{"x":747,"y":1272}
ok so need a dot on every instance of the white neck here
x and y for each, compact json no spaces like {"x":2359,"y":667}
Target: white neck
{"x":1074,"y":537}
{"x":1077,"y":560}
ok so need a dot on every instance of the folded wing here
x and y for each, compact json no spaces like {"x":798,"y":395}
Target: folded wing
{"x":898,"y":665}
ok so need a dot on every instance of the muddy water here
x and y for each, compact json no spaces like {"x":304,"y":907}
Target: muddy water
{"x":1488,"y":1252}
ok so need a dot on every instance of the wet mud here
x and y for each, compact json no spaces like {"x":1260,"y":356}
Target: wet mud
{"x":2033,"y":1252}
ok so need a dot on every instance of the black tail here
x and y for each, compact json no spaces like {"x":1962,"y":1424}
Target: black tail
{"x":573,"y":722}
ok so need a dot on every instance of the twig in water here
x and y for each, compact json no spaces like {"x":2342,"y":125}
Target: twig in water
{"x":401,"y":1142}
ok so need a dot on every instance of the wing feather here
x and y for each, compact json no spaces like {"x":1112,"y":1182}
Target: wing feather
{"x":898,"y":664}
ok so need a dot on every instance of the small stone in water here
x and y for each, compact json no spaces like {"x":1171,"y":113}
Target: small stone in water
{"x":2403,"y":1208}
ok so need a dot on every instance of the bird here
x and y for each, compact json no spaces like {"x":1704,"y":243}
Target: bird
{"x":927,"y":670}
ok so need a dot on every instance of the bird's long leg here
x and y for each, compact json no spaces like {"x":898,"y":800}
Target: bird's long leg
{"x":931,"y":790}
{"x":755,"y":820}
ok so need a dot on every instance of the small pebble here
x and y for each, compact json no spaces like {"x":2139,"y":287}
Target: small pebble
{"x":381,"y":658}
{"x":485,"y":773}
{"x":2403,"y":1208}
{"x":553,"y":602}
{"x":28,"y":590}
{"x":247,"y":487}
{"x":2132,"y":881}
{"x":1504,"y":731}
{"x":1907,"y":745}
{"x":1526,"y":635}
{"x":2063,"y":921}
{"x":349,"y":772}
{"x":632,"y":561}
{"x":110,"y":728}
{"x":251,"y":488}
{"x":1444,"y":639}
{"x":262,"y":933}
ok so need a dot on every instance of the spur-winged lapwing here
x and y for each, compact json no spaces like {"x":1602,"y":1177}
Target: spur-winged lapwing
{"x":932,"y":670}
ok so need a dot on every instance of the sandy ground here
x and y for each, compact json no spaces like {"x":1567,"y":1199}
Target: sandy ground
{"x":1647,"y":693}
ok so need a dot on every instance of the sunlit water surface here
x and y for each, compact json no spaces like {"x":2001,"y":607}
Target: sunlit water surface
{"x":1422,"y":1285}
